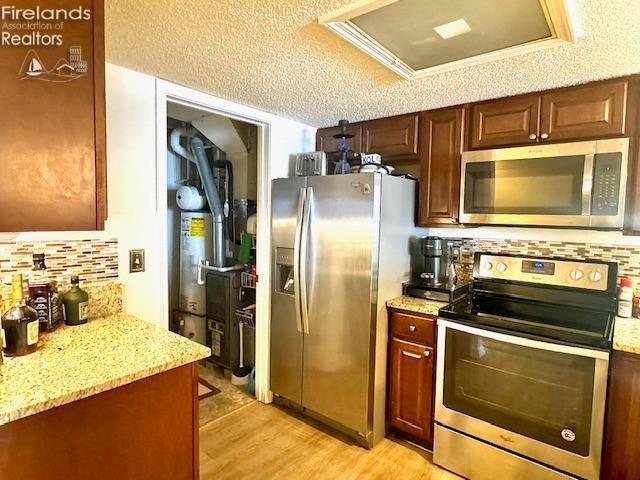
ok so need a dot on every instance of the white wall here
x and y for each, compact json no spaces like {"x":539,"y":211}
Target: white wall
{"x":133,"y":180}
{"x":131,"y":170}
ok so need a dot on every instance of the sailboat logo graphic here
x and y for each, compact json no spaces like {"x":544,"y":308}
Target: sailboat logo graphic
{"x":35,"y":68}
{"x":64,"y":70}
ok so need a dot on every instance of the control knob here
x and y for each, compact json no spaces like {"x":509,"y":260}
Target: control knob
{"x":595,"y":276}
{"x":576,"y":274}
{"x":488,"y":265}
{"x":501,"y":267}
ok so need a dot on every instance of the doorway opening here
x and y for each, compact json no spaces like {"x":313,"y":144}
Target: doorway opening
{"x":212,"y":200}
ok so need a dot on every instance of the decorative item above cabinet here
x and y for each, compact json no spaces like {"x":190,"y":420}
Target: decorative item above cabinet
{"x":52,"y":98}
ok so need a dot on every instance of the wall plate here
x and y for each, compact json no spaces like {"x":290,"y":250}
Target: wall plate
{"x":136,"y":260}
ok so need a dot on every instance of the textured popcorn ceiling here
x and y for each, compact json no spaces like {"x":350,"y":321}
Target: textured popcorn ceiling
{"x":272,"y":54}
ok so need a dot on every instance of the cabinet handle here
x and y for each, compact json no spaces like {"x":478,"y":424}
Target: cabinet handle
{"x":427,"y":353}
{"x":412,"y":328}
{"x":533,"y":136}
{"x":544,"y":136}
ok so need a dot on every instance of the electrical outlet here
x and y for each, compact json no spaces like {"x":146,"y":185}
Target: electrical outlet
{"x":136,"y":260}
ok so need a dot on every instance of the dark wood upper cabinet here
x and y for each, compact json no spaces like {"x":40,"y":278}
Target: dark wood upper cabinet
{"x":576,"y":113}
{"x":584,"y":112}
{"x":52,"y":140}
{"x":621,"y":456}
{"x":441,"y":149}
{"x":393,"y":137}
{"x":507,"y":121}
{"x":326,"y":143}
{"x":411,"y":389}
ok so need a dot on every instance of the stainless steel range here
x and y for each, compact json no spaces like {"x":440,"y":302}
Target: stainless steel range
{"x":522,"y":372}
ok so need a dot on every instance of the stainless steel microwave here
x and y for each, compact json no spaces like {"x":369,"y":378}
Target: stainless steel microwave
{"x":578,"y":184}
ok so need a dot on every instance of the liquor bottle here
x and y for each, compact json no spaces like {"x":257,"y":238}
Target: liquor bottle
{"x":20,"y":323}
{"x":76,"y":304}
{"x":3,"y":342}
{"x":43,"y":295}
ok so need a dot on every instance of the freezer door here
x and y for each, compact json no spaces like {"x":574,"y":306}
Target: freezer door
{"x":286,"y":328}
{"x":339,"y":245}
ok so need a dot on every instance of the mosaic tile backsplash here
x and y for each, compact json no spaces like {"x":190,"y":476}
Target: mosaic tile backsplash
{"x":94,"y":261}
{"x":628,"y":257}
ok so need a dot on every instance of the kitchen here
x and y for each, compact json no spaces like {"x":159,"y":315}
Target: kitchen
{"x":345,"y":348}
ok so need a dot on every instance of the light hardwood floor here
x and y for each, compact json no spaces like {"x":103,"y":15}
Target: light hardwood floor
{"x":263,"y":442}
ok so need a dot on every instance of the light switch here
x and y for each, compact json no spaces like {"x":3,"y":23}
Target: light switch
{"x":136,"y":260}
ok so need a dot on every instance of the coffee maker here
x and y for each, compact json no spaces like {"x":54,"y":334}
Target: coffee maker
{"x":433,"y":271}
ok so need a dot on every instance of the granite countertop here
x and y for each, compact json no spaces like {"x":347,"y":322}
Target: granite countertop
{"x":76,"y":362}
{"x":626,"y":335}
{"x":418,"y":305}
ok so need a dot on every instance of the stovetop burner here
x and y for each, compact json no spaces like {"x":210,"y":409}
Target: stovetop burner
{"x":550,"y":306}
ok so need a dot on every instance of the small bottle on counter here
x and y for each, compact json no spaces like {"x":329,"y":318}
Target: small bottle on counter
{"x":625,"y":297}
{"x":76,"y":304}
{"x":43,"y":295}
{"x":20,"y":323}
{"x":635,"y":309}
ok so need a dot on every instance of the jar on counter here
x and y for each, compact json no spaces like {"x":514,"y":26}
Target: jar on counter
{"x":625,"y":297}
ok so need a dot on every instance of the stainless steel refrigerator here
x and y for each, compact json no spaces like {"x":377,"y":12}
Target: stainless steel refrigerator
{"x":340,"y":251}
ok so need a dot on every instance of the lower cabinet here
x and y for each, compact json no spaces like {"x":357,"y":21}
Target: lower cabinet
{"x":621,"y":456}
{"x":411,"y":378}
{"x":147,"y":429}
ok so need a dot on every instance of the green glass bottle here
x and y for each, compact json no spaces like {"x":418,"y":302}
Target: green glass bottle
{"x":76,"y":304}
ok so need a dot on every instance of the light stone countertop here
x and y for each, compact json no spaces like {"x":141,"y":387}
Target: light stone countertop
{"x":76,"y":362}
{"x":418,"y":305}
{"x":626,"y":335}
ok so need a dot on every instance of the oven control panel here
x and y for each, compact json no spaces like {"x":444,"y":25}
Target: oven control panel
{"x":565,"y":273}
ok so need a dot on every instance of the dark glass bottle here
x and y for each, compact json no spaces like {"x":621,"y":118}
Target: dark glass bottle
{"x":20,"y":323}
{"x":43,"y":295}
{"x":76,"y":304}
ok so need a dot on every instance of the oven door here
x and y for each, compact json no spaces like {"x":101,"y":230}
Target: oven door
{"x":542,"y":400}
{"x":580,"y":184}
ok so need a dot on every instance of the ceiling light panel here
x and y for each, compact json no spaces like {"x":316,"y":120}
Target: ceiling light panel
{"x":452,"y":29}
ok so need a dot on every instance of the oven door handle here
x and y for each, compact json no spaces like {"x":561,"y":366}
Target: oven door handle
{"x":524,"y":342}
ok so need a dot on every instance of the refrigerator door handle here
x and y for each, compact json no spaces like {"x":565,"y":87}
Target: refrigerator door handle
{"x":304,"y":247}
{"x":296,"y":258}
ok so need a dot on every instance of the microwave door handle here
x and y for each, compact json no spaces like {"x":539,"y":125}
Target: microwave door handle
{"x":587,"y":184}
{"x":296,"y":259}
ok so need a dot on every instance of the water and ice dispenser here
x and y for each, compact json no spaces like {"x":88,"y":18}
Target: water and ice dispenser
{"x":284,"y":270}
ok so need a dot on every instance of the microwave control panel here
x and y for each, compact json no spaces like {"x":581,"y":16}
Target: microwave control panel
{"x":605,"y":198}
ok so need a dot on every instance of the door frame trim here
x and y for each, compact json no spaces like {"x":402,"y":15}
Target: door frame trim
{"x":171,"y":92}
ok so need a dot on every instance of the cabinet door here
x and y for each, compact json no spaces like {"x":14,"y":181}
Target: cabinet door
{"x":394,"y":137}
{"x":584,"y":112}
{"x":326,"y":143}
{"x":621,"y":455}
{"x":52,"y":158}
{"x":441,"y":151}
{"x":411,"y":389}
{"x":507,"y":121}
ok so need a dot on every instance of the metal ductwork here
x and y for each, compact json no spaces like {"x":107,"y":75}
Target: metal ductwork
{"x":211,"y":192}
{"x":198,"y":156}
